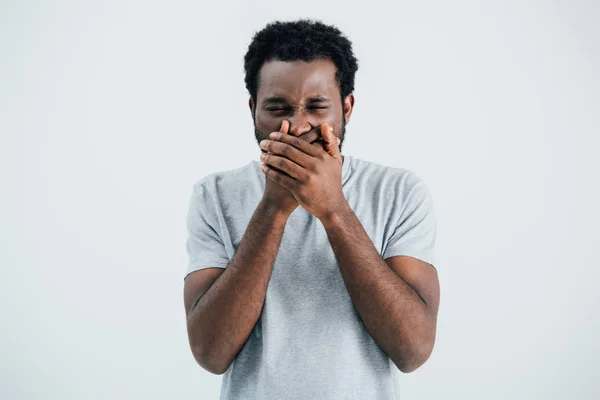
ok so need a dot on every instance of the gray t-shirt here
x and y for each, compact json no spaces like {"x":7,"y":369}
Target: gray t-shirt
{"x":309,"y":342}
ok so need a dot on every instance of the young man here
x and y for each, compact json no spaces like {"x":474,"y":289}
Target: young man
{"x":312,"y":277}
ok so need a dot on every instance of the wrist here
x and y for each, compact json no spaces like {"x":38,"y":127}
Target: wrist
{"x":270,"y":208}
{"x":336,"y":215}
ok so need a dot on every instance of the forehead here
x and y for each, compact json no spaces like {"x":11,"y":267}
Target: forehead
{"x":297,"y":80}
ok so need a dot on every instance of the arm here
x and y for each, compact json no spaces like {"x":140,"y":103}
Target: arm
{"x":220,"y":321}
{"x":397,"y":299}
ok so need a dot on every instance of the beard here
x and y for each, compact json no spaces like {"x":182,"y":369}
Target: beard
{"x":260,"y":136}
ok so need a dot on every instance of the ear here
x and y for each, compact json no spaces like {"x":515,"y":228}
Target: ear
{"x":251,"y":105}
{"x":348,"y":107}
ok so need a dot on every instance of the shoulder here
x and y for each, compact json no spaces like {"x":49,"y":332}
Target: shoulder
{"x":400,"y":180}
{"x":227,"y":181}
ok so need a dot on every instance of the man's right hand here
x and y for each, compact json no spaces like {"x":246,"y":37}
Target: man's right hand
{"x":276,"y":195}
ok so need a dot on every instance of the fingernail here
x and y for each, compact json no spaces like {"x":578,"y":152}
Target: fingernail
{"x":338,"y":141}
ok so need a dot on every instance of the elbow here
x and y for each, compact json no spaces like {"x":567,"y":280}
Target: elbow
{"x":412,"y":359}
{"x":408,"y":367}
{"x":203,"y":350}
{"x":208,"y":363}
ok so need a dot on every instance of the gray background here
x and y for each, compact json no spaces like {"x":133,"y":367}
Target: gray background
{"x":111,"y":111}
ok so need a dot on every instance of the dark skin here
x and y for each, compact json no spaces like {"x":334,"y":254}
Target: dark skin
{"x":404,"y":290}
{"x":304,"y":94}
{"x":397,"y":299}
{"x":299,"y":99}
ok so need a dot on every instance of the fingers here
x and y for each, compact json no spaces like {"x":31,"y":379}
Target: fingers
{"x":327,"y":133}
{"x":285,"y":126}
{"x":331,"y":142}
{"x":309,"y":137}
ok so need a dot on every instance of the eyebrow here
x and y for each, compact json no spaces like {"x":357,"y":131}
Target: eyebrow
{"x":318,"y":99}
{"x":275,"y":100}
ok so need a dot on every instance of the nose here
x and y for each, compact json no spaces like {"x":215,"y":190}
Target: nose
{"x":299,"y":124}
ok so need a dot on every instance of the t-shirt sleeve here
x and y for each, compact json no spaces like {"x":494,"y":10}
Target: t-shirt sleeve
{"x":415,"y":231}
{"x":205,"y":246}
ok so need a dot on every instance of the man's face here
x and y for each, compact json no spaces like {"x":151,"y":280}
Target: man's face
{"x":304,"y":93}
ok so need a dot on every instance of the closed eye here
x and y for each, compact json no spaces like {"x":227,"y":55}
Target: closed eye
{"x":287,"y":109}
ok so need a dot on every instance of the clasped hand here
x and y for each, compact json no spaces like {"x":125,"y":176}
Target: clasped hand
{"x":315,"y":174}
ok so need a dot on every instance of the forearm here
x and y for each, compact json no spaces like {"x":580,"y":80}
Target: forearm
{"x":390,"y":309}
{"x":221,"y":322}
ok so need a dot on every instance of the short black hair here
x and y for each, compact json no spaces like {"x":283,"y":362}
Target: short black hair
{"x":305,"y":40}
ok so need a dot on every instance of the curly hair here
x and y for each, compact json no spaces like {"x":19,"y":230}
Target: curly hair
{"x":305,"y":40}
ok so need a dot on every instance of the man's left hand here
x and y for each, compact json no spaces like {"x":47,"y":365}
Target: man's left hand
{"x":315,"y":175}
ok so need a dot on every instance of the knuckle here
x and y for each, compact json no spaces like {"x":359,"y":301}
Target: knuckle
{"x":309,"y":180}
{"x":302,"y":193}
{"x":307,"y":137}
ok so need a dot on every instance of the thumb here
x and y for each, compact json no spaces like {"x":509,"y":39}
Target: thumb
{"x":331,"y":142}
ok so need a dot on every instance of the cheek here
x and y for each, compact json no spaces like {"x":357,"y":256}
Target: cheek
{"x":330,"y":117}
{"x":335,"y":120}
{"x":268,"y":124}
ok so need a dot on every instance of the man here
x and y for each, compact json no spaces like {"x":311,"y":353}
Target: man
{"x":310,"y":278}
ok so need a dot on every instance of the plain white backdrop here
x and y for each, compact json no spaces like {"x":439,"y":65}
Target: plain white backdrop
{"x":111,"y":111}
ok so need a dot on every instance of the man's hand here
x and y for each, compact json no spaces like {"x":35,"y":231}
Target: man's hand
{"x":315,"y":175}
{"x":276,"y":195}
